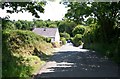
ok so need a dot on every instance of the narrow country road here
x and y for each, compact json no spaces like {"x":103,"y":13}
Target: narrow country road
{"x":72,"y":61}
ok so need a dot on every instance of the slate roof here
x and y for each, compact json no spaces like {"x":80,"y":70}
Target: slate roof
{"x":47,"y":32}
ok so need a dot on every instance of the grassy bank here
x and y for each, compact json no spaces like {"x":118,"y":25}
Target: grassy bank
{"x":111,"y":50}
{"x":23,"y":52}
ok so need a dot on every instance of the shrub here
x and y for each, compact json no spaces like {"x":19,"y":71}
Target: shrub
{"x":63,"y":40}
{"x":6,"y":24}
{"x":53,"y":26}
{"x":56,"y":44}
{"x":18,"y":46}
{"x":48,"y":40}
{"x":78,"y":30}
{"x":65,"y":35}
{"x":71,"y":39}
{"x":77,"y":40}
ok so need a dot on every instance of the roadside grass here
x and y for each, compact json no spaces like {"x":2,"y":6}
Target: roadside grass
{"x":111,"y":50}
{"x":35,"y":62}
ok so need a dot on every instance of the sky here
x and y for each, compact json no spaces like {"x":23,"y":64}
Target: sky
{"x":53,"y":11}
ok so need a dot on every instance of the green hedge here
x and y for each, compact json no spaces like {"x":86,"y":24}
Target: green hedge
{"x":111,"y":50}
{"x":65,"y":35}
{"x":79,"y":29}
{"x":63,"y":40}
{"x":17,"y":47}
{"x":77,"y":40}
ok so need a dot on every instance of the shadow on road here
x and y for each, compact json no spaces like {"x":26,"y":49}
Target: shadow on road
{"x":79,"y":64}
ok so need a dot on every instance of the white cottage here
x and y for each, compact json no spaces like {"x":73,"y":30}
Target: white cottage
{"x":52,"y":33}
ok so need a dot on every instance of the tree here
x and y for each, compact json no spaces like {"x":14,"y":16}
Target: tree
{"x":63,"y":40}
{"x":106,"y":14}
{"x":65,"y":35}
{"x":53,"y":25}
{"x":39,"y":23}
{"x":18,"y":24}
{"x":23,"y":24}
{"x":77,"y":40}
{"x":90,"y":21}
{"x":70,"y":26}
{"x":61,"y":27}
{"x":79,"y":29}
{"x":66,"y":26}
{"x":7,"y":24}
{"x":32,"y":7}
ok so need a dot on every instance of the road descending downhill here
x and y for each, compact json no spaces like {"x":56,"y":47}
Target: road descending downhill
{"x":72,"y":61}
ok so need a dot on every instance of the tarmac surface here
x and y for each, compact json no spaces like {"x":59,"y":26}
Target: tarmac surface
{"x":73,"y":61}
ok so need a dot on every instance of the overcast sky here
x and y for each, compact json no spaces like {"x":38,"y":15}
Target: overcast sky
{"x":53,"y":11}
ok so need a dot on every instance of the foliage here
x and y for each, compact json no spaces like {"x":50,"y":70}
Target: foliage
{"x":18,"y":24}
{"x":63,"y":40}
{"x":31,"y":7}
{"x":105,"y":13}
{"x":102,"y":31}
{"x":93,"y":40}
{"x":77,"y":40}
{"x":7,"y":24}
{"x":92,"y":34}
{"x":56,"y":44}
{"x":10,"y":62}
{"x":110,"y":50}
{"x":19,"y":48}
{"x":39,"y":23}
{"x":48,"y":40}
{"x":50,"y":23}
{"x":90,"y":20}
{"x":79,"y":29}
{"x":71,"y":39}
{"x":53,"y":26}
{"x":65,"y":35}
{"x":66,"y":26}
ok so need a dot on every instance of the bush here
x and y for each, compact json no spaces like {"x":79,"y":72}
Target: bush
{"x":6,"y":24}
{"x":18,"y":46}
{"x":78,"y":30}
{"x":48,"y":40}
{"x":52,"y":26}
{"x":56,"y":44}
{"x":65,"y":35}
{"x":94,"y":39}
{"x":71,"y":39}
{"x":63,"y":40}
{"x":77,"y":40}
{"x":110,"y":50}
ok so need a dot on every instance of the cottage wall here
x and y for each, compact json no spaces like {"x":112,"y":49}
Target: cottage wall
{"x":57,"y":36}
{"x":52,"y":39}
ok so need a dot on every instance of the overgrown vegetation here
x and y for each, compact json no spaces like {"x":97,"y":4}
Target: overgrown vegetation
{"x":23,"y":53}
{"x":103,"y":25}
{"x":77,"y":40}
{"x":79,"y":29}
{"x":63,"y":40}
{"x":93,"y":39}
{"x":65,"y":35}
{"x":56,"y":44}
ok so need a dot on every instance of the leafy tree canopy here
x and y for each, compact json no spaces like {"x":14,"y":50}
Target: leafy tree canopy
{"x":79,"y":29}
{"x":107,"y":14}
{"x":106,"y":10}
{"x":32,"y":7}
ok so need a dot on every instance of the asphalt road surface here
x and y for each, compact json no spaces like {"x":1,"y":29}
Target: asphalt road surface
{"x":72,"y":61}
